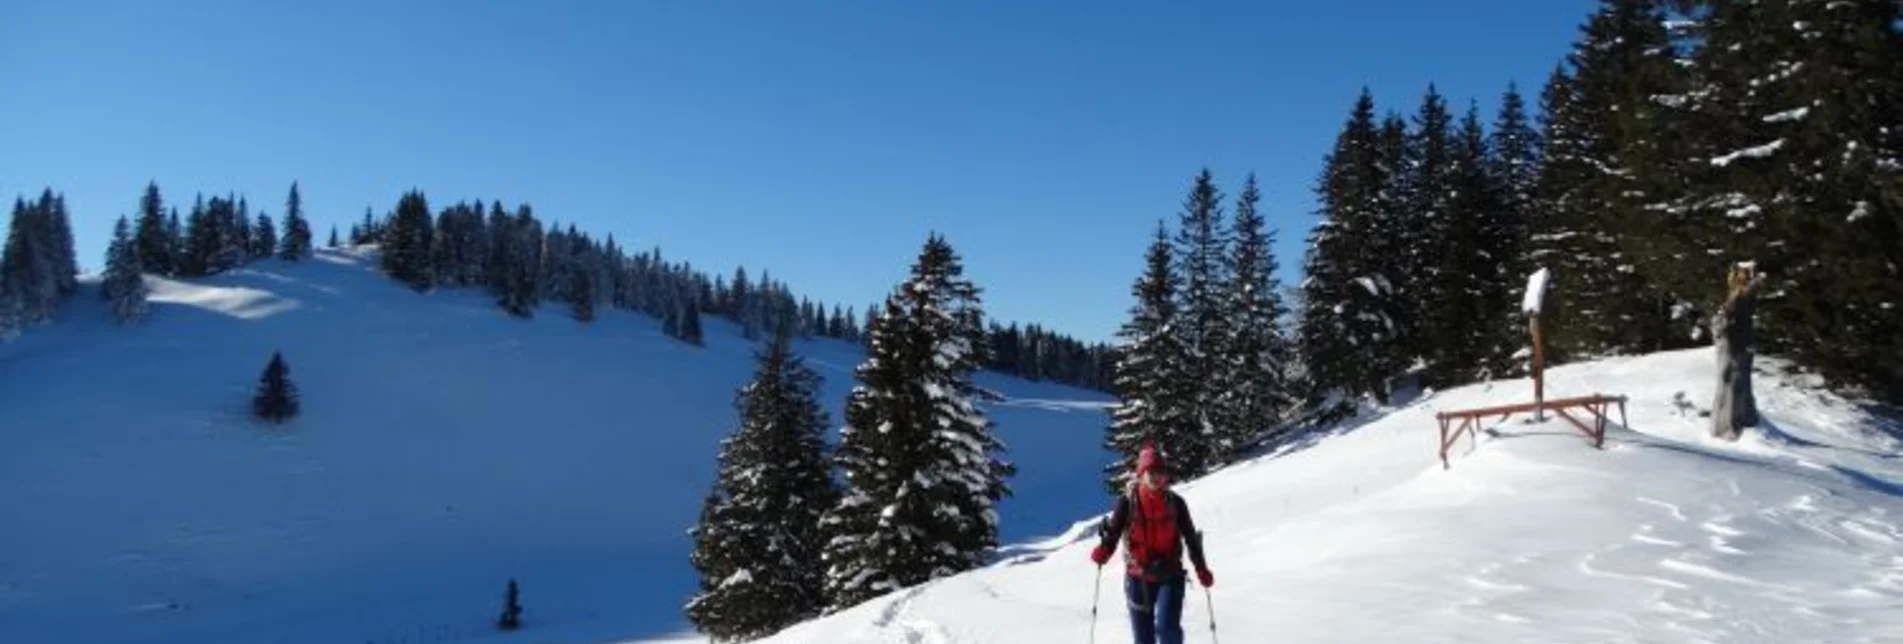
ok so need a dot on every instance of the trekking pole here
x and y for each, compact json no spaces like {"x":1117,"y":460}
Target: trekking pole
{"x":1095,"y":590}
{"x":1209,"y":602}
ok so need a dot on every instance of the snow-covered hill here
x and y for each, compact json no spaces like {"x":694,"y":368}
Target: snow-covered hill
{"x":1795,"y":534}
{"x":444,"y":448}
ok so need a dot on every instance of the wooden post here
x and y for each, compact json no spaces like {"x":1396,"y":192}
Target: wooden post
{"x":1539,"y":370}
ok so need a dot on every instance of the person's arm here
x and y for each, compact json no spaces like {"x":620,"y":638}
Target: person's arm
{"x":1112,"y":531}
{"x":1186,"y":529}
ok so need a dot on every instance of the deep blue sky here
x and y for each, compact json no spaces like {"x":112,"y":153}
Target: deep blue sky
{"x":821,"y":140}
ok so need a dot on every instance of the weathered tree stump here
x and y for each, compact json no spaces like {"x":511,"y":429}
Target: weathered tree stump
{"x":1735,"y":408}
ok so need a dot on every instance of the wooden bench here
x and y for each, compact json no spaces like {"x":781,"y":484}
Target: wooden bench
{"x":1597,"y":405}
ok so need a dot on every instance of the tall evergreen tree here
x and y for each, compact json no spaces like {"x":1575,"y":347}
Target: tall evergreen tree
{"x":690,"y":324}
{"x":264,"y":236}
{"x":581,"y":295}
{"x":1202,"y":244}
{"x":59,"y":242}
{"x":1795,"y":161}
{"x":406,"y":246}
{"x":922,"y":464}
{"x":1471,"y":281}
{"x":1515,"y":153}
{"x":1608,"y":150}
{"x":29,"y":274}
{"x":124,"y":281}
{"x":1423,"y":223}
{"x":1349,"y":329}
{"x":333,"y":237}
{"x":297,"y":230}
{"x":155,"y":239}
{"x":758,"y":545}
{"x":1256,"y":348}
{"x":1156,"y":398}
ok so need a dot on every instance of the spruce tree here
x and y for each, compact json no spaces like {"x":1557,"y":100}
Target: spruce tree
{"x":921,"y":461}
{"x":264,"y":236}
{"x":758,"y":544}
{"x":1255,"y":349}
{"x":1429,"y":287}
{"x":1794,"y":159}
{"x":59,"y":242}
{"x":581,"y":295}
{"x":406,"y":245}
{"x":1515,"y":153}
{"x":124,"y":281}
{"x":1201,"y":245}
{"x":297,"y":230}
{"x":333,"y":237}
{"x":155,"y":239}
{"x":1608,"y":156}
{"x":1471,"y":282}
{"x":28,"y":273}
{"x":690,"y":324}
{"x":1349,"y":327}
{"x":277,"y":398}
{"x":511,"y":617}
{"x":1156,"y":398}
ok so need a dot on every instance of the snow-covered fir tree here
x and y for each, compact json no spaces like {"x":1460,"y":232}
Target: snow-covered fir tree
{"x":1471,"y":278}
{"x":406,"y":246}
{"x":923,"y":467}
{"x":1349,"y":332}
{"x":35,"y":263}
{"x":156,"y":241}
{"x":296,"y":244}
{"x":1796,"y":155}
{"x":758,"y":544}
{"x":1424,"y":192}
{"x":277,"y":398}
{"x":60,"y":242}
{"x":1201,"y":250}
{"x":1256,"y":348}
{"x":1514,"y":156}
{"x":1156,"y":398}
{"x":124,"y":282}
{"x":264,"y":236}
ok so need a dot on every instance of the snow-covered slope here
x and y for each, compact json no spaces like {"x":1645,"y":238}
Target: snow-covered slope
{"x":444,"y":448}
{"x":1795,"y":534}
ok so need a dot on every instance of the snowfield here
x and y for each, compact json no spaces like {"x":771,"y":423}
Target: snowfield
{"x":444,"y":448}
{"x":1794,"y":534}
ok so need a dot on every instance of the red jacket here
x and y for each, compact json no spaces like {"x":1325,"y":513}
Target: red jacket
{"x":1159,"y":529}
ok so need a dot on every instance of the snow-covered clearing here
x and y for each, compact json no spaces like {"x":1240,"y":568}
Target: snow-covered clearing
{"x":1794,"y":534}
{"x":444,"y":448}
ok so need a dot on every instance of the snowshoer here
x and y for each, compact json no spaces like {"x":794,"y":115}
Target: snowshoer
{"x":1155,"y":526}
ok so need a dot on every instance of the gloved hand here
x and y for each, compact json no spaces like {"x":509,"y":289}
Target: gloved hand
{"x":1208,"y":578}
{"x":1099,"y":555}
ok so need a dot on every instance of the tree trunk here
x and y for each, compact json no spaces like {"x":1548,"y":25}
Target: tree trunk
{"x":1735,"y":407}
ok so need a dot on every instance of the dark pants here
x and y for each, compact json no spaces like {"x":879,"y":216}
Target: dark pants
{"x":1156,"y":609}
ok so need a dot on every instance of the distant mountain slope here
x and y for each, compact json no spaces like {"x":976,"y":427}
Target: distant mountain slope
{"x":444,"y":448}
{"x":1794,"y":534}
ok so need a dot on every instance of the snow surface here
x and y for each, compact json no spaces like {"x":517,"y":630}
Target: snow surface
{"x":1792,"y":534}
{"x":444,"y":448}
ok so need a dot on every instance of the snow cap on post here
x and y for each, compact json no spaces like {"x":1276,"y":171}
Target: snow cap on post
{"x":1535,"y":292}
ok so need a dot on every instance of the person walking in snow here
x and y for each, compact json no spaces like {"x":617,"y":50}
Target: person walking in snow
{"x":1155,"y":527}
